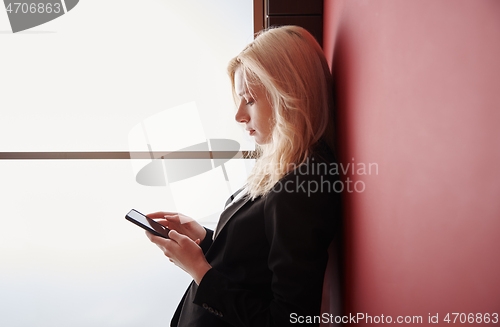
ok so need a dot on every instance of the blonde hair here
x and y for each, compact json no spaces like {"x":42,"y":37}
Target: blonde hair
{"x":289,"y":63}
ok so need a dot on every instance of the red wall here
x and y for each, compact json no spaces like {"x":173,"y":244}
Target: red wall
{"x":418,"y":91}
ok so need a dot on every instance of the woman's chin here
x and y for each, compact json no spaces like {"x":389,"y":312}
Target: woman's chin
{"x":260,"y":142}
{"x":260,"y":139}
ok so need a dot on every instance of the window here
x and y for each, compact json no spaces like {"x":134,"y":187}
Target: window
{"x":81,"y":86}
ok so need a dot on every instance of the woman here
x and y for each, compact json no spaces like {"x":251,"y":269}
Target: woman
{"x":264,"y":264}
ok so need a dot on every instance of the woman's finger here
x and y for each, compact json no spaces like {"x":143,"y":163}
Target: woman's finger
{"x":167,"y":246}
{"x":177,"y":237}
{"x":173,"y":217}
{"x":168,"y":213}
{"x":178,"y":218}
{"x":149,"y":235}
{"x":174,"y":235}
{"x":157,"y":239}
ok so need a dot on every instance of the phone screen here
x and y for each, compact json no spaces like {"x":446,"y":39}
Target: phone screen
{"x":148,"y":224}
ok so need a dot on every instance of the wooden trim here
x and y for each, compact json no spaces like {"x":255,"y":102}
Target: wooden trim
{"x":127,"y":155}
{"x":266,"y":13}
{"x":258,"y":15}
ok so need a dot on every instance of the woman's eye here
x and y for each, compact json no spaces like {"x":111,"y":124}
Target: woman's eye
{"x":249,"y":102}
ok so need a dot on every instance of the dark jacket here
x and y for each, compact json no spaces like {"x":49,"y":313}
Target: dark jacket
{"x":268,"y":256}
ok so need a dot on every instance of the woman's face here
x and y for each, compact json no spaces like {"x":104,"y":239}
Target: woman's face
{"x":254,"y":109}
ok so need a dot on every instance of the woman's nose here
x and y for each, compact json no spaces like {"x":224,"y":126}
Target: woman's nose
{"x":242,"y":114}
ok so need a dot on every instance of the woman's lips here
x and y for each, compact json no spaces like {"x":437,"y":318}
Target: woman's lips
{"x":251,"y":131}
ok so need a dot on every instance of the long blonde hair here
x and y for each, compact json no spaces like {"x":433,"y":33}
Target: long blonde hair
{"x":289,"y":63}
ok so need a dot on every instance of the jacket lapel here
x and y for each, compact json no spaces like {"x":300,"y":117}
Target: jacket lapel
{"x":228,"y":213}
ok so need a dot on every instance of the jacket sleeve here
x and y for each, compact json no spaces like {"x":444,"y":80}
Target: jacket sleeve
{"x":207,"y":241}
{"x":298,"y":227}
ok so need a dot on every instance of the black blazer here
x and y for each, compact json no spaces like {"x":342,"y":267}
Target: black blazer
{"x":268,"y":256}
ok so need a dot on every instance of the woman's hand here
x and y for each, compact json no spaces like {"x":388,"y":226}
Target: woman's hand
{"x":182,"y":224}
{"x":184,"y":253}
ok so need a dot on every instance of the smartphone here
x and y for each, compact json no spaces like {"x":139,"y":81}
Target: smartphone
{"x":148,"y":224}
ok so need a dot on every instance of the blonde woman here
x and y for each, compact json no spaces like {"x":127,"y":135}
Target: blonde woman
{"x":264,"y":264}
